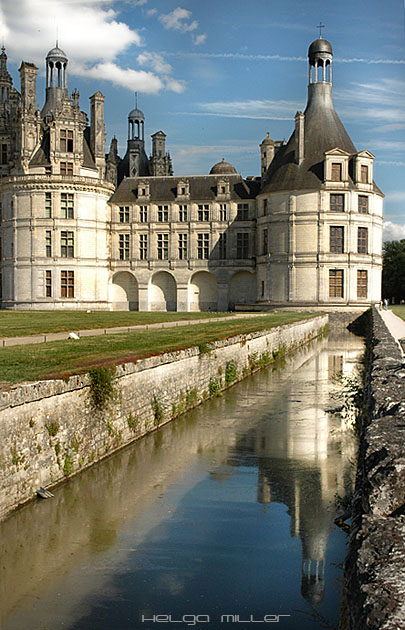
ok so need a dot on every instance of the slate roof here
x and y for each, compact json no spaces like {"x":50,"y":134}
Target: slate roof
{"x":323,"y":131}
{"x":202,"y":188}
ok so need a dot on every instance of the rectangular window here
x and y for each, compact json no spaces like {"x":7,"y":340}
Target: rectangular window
{"x":124,"y":246}
{"x":363,"y":204}
{"x":361,"y":284}
{"x":66,"y":141}
{"x":362,"y":240}
{"x":336,"y":172}
{"x":337,"y":203}
{"x":336,"y":283}
{"x":48,"y":205}
{"x":67,"y":244}
{"x":336,"y":239}
{"x":265,"y":243}
{"x":48,"y":243}
{"x":143,"y":214}
{"x":67,"y":205}
{"x":143,"y":246}
{"x":183,"y":214}
{"x":364,"y":174}
{"x":48,"y":283}
{"x":203,"y":212}
{"x":183,"y":246}
{"x":124,"y":214}
{"x":222,"y":246}
{"x":262,"y":288}
{"x":203,"y":246}
{"x":222,"y":212}
{"x":242,"y":245}
{"x":243,"y":212}
{"x":4,"y":154}
{"x":66,"y":168}
{"x":163,"y":246}
{"x":67,"y":284}
{"x":265,"y":207}
{"x":163,"y":213}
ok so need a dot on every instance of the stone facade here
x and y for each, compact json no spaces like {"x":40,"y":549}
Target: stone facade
{"x":82,"y":229}
{"x":40,"y":444}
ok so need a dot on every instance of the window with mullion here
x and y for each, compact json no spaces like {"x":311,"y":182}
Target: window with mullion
{"x":124,"y":246}
{"x":362,"y":240}
{"x":337,"y":203}
{"x":67,"y":245}
{"x":336,"y":283}
{"x":203,"y":246}
{"x":67,"y":205}
{"x":336,"y":239}
{"x":203,"y":212}
{"x":183,"y":246}
{"x":163,"y":246}
{"x":163,"y":214}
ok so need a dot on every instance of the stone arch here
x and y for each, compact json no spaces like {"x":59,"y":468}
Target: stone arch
{"x":124,"y":292}
{"x":163,"y":292}
{"x":203,"y":292}
{"x":242,"y":289}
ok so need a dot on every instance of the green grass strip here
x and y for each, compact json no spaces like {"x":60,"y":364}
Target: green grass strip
{"x":62,"y":358}
{"x":21,"y":323}
{"x":399,"y":310}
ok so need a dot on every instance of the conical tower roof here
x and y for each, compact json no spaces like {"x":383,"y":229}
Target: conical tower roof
{"x":323,"y":131}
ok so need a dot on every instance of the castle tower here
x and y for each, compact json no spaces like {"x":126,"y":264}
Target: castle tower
{"x":135,"y":162}
{"x":325,"y":225}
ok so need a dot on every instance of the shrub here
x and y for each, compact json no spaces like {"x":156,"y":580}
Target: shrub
{"x":52,"y":428}
{"x":68,"y":465}
{"x":102,"y":387}
{"x":230,"y":372}
{"x":214,"y":386}
{"x":157,"y":410}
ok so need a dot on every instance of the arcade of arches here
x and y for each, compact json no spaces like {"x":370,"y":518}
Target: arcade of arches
{"x":162,"y":292}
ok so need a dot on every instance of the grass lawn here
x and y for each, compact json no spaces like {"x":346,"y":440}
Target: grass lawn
{"x":399,"y":310}
{"x":21,"y":323}
{"x":62,"y":358}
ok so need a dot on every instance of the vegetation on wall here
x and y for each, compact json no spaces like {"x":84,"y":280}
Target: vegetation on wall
{"x":102,"y":388}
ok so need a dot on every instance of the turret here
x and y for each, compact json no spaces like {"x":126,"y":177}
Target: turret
{"x":56,"y":80}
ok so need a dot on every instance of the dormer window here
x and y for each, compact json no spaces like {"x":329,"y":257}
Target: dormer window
{"x":336,"y":172}
{"x":364,"y":174}
{"x":66,"y":141}
{"x":183,"y":189}
{"x":143,"y":189}
{"x":223,"y":187}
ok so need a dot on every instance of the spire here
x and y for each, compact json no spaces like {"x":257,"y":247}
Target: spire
{"x":6,"y":82}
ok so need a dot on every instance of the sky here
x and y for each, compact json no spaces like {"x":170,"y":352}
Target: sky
{"x":216,"y":76}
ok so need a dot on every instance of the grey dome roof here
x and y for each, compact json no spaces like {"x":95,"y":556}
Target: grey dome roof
{"x":57,"y":53}
{"x":320,"y":45}
{"x":137,"y":114}
{"x":223,"y":168}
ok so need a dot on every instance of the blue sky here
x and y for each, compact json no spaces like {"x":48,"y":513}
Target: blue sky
{"x":216,"y":76}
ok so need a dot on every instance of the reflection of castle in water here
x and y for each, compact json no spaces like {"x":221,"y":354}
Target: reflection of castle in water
{"x":303,"y":455}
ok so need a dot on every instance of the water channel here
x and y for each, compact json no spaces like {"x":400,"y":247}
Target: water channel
{"x":222,"y":518}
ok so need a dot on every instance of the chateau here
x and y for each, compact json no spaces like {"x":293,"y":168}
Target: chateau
{"x":84,"y":229}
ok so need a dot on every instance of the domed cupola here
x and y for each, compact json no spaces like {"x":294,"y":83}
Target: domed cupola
{"x":136,"y":124}
{"x":320,"y":55}
{"x":135,"y":162}
{"x":223,"y":168}
{"x":56,"y":79}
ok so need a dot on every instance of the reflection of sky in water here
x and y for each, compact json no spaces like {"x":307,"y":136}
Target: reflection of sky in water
{"x":228,"y":510}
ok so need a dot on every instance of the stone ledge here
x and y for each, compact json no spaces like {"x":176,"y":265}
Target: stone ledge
{"x":375,"y":565}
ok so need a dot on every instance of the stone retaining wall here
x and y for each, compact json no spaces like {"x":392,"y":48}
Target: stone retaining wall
{"x":375,"y":566}
{"x":50,"y":430}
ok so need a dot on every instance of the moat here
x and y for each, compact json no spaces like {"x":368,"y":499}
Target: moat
{"x":223,"y":517}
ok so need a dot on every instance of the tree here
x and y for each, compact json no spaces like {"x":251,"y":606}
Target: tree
{"x":393,"y":275}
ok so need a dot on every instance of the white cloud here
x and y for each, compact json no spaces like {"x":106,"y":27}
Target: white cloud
{"x":256,"y":109}
{"x":178,"y":20}
{"x":199,"y":39}
{"x":135,"y":80}
{"x":397,"y":196}
{"x":155,"y":61}
{"x":92,"y":36}
{"x":151,"y":12}
{"x":393,"y":231}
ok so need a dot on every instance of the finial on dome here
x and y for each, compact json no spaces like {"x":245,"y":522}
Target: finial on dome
{"x":320,"y":26}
